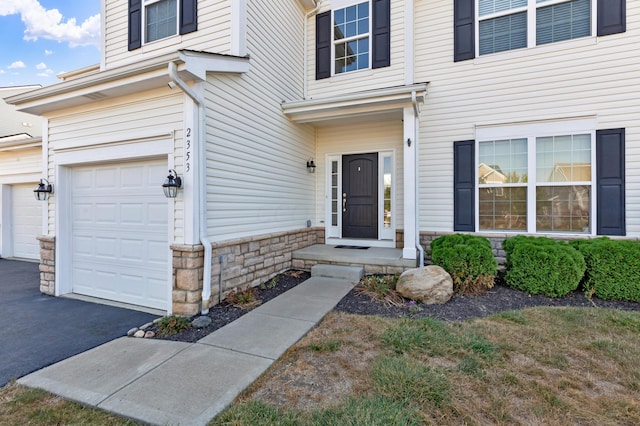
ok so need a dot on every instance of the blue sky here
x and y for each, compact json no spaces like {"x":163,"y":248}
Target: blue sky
{"x":42,"y":38}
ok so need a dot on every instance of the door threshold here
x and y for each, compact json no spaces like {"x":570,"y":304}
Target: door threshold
{"x":360,"y":242}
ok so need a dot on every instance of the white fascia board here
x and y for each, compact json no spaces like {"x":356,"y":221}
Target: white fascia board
{"x":369,"y":102}
{"x":143,"y":75}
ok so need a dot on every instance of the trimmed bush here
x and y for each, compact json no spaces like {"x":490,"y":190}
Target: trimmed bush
{"x":468,"y":259}
{"x":543,"y":266}
{"x":613,"y":268}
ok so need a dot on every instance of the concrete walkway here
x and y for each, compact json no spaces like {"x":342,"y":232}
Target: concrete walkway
{"x":164,"y":382}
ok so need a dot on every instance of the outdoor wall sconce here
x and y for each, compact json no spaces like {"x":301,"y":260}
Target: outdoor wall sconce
{"x":171,"y":184}
{"x":43,"y":191}
{"x":311,"y":166}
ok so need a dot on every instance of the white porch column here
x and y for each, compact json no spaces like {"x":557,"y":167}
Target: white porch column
{"x":410,"y":175}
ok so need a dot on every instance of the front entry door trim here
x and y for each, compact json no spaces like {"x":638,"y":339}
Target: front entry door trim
{"x":385,"y":204}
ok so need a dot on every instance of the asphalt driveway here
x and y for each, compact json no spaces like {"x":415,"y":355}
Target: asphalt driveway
{"x":38,"y":330}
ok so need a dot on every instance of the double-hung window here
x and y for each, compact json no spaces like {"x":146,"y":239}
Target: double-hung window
{"x":160,"y":19}
{"x":536,"y":183}
{"x":351,"y":28}
{"x":356,"y":35}
{"x":514,"y":24}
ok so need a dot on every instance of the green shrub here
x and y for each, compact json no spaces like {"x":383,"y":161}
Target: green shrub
{"x":613,"y":268}
{"x":542,"y":266}
{"x":468,"y":259}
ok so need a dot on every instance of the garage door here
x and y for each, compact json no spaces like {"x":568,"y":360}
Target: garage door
{"x":119,"y":242}
{"x":26,"y":219}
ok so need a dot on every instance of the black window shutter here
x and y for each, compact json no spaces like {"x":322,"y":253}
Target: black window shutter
{"x":323,"y":45}
{"x":610,"y":202}
{"x":188,"y":16}
{"x":464,"y":218}
{"x":464,"y":41}
{"x":135,"y":24}
{"x":612,"y":17}
{"x":381,"y":37}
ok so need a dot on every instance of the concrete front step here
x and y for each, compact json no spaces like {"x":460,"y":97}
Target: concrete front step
{"x":350,"y":273}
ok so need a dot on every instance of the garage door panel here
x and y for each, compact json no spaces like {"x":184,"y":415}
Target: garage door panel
{"x":26,"y":219}
{"x":120,"y":225}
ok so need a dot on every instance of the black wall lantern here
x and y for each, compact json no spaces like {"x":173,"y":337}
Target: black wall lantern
{"x":171,"y":184}
{"x":311,"y":166}
{"x":43,"y":191}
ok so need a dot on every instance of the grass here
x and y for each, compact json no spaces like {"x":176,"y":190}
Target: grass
{"x":550,"y":366}
{"x":537,"y":366}
{"x":23,"y":406}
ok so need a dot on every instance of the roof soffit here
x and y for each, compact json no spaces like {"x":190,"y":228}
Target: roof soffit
{"x":137,"y":77}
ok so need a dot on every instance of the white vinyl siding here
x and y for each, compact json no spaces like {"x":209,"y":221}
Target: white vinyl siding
{"x":18,"y":164}
{"x":150,"y":115}
{"x":366,"y":79}
{"x":355,"y":138}
{"x":257,"y":179}
{"x":586,"y":77}
{"x":213,"y":35}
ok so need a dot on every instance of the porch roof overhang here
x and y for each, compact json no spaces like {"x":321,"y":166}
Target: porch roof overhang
{"x":140,"y":76}
{"x":18,"y":142}
{"x":357,"y":105}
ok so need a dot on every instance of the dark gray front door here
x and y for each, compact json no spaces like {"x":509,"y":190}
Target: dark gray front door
{"x":360,"y":196}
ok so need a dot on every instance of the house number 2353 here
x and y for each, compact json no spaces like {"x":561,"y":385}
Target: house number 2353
{"x":187,"y":153}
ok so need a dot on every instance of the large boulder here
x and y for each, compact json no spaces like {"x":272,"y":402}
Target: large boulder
{"x":428,"y":285}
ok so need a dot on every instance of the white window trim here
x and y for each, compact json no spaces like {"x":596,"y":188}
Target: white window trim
{"x":146,"y":3}
{"x":531,"y":22}
{"x":531,"y":131}
{"x":342,"y":5}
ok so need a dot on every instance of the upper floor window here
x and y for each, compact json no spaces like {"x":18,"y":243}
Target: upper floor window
{"x":506,"y":24}
{"x":161,"y":19}
{"x":354,"y":36}
{"x":158,"y":19}
{"x":351,"y":27}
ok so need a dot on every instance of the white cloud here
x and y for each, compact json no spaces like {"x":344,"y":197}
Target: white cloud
{"x":51,"y":25}
{"x":41,"y":66}
{"x":2,"y":71}
{"x":48,"y":52}
{"x":17,"y":64}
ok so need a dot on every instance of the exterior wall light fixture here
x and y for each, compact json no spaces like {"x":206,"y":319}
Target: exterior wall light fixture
{"x":43,"y":191}
{"x":311,"y":166}
{"x":171,"y":184}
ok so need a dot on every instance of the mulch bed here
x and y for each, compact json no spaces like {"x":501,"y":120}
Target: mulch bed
{"x":498,"y":299}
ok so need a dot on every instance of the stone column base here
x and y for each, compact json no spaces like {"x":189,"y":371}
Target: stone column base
{"x":47,"y":264}
{"x":188,"y":271}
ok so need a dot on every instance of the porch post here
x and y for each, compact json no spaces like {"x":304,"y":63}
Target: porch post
{"x":410,"y":146}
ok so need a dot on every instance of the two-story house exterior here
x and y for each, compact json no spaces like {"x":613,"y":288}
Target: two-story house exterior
{"x":20,"y":166}
{"x":420,"y":117}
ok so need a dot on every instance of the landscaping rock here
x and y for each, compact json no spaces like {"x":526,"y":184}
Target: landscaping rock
{"x":132,"y":331}
{"x":147,"y":325}
{"x":201,"y":322}
{"x":428,"y":285}
{"x":139,"y":333}
{"x":149,"y":334}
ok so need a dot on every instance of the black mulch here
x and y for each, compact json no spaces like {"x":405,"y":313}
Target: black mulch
{"x":224,"y":313}
{"x":498,"y":299}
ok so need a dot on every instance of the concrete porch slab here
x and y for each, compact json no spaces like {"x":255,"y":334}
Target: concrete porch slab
{"x":90,"y":377}
{"x":378,"y":256}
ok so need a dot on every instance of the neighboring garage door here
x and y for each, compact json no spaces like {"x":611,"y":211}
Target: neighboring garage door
{"x":26,"y":219}
{"x":120,"y":247}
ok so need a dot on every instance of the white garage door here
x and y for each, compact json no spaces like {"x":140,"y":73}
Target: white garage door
{"x":26,"y":219}
{"x":120,"y":247}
